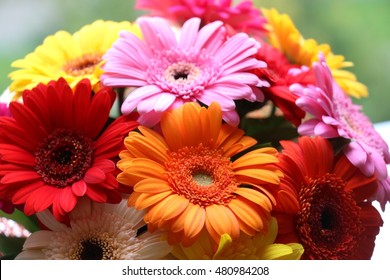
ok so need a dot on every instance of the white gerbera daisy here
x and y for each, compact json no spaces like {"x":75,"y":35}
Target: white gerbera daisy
{"x":96,"y":232}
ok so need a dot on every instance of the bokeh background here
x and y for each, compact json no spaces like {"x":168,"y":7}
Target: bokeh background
{"x":357,"y":29}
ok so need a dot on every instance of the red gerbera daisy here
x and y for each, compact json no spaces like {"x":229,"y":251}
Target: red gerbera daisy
{"x":280,"y":73}
{"x":55,"y":149}
{"x":323,"y":202}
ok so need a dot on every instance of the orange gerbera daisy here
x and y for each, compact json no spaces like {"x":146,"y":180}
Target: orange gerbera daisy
{"x":284,"y":36}
{"x":323,"y":202}
{"x":186,"y":180}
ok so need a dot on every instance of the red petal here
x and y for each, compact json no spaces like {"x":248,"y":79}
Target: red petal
{"x":79,"y":188}
{"x":96,"y":195}
{"x":105,"y":165}
{"x":97,"y":114}
{"x":21,"y":195}
{"x":67,"y":199}
{"x":19,"y":176}
{"x":15,"y":154}
{"x":44,"y":197}
{"x":94,"y":175}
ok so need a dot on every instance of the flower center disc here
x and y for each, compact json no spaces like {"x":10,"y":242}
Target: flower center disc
{"x":204,"y":176}
{"x":83,"y":65}
{"x":328,"y":223}
{"x":93,"y":248}
{"x":64,"y":157}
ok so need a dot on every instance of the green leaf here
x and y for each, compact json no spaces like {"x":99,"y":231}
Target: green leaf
{"x":29,"y":222}
{"x":270,"y":130}
{"x":11,"y":245}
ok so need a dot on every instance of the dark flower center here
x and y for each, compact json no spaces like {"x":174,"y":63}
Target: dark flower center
{"x":181,"y":75}
{"x":93,"y":248}
{"x":328,"y":224}
{"x":64,"y":157}
{"x":90,"y":251}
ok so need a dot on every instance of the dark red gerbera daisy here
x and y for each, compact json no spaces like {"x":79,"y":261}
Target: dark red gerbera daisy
{"x":323,"y":202}
{"x":55,"y":148}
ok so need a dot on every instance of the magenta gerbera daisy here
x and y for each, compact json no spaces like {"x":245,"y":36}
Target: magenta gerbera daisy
{"x":243,"y":17}
{"x":201,"y":65}
{"x":335,"y":115}
{"x":55,"y":149}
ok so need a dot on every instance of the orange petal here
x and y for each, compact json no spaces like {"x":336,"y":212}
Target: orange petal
{"x":256,"y":197}
{"x":254,"y":158}
{"x":211,"y":121}
{"x":246,"y":211}
{"x":133,"y":199}
{"x":147,"y":200}
{"x":173,"y":206}
{"x":192,"y":130}
{"x":256,"y":175}
{"x":172,"y":127}
{"x":177,"y":224}
{"x":152,"y":186}
{"x":245,"y":143}
{"x":219,"y":219}
{"x":194,"y":221}
{"x":143,"y":147}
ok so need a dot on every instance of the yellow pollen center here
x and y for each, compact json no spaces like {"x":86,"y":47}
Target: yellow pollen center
{"x":83,"y":65}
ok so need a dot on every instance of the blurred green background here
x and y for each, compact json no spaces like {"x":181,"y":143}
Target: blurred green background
{"x":357,"y":29}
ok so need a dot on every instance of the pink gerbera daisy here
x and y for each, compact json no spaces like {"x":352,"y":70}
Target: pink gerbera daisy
{"x":243,"y":17}
{"x":201,"y":65}
{"x":334,"y":115}
{"x":55,"y":149}
{"x":4,"y":110}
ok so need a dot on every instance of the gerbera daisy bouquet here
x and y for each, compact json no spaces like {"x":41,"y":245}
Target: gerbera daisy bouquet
{"x":200,"y":130}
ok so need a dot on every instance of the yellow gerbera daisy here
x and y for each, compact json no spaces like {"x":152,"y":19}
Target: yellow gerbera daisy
{"x":259,"y":247}
{"x":286,"y":37}
{"x":186,"y":180}
{"x":71,"y":56}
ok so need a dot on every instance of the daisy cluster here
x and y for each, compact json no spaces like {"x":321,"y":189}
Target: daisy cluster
{"x":202,"y":130}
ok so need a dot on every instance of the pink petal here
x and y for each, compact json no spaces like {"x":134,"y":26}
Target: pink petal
{"x":325,"y":130}
{"x":136,"y":95}
{"x":355,"y":154}
{"x":150,"y":119}
{"x":157,"y":33}
{"x":231,"y":117}
{"x":330,"y":121}
{"x":233,"y":90}
{"x":210,"y":37}
{"x":189,"y":33}
{"x":309,"y":105}
{"x":211,"y":95}
{"x":307,"y":128}
{"x":242,"y":77}
{"x":164,"y":101}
